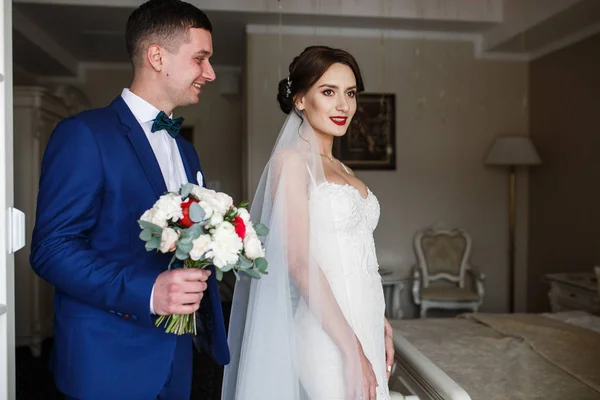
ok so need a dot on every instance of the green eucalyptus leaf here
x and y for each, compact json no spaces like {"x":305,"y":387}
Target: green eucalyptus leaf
{"x":197,"y":214}
{"x":252,"y":273}
{"x":181,"y":255}
{"x":186,"y":190}
{"x":185,"y":247}
{"x":219,"y":275}
{"x":185,"y":240}
{"x":244,"y":263}
{"x":149,"y":225}
{"x":194,"y":231}
{"x":262,"y":264}
{"x":152,"y":244}
{"x":226,"y":268}
{"x":146,"y":235}
{"x":261,"y":229}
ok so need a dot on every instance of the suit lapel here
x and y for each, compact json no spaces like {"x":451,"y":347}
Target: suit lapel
{"x":142,"y":147}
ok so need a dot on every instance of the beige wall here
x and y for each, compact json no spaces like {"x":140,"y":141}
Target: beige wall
{"x":564,"y":207}
{"x":217,"y":122}
{"x":449,"y":108}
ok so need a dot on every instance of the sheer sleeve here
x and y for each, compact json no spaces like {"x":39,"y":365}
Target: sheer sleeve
{"x":304,"y":270}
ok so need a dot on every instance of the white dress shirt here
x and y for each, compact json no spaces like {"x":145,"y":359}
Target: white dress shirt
{"x":163,"y":145}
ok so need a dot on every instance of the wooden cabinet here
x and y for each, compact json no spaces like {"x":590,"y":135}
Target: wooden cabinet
{"x":573,"y":291}
{"x":37,"y":110}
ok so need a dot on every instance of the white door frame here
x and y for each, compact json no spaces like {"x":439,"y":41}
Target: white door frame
{"x":7,"y":276}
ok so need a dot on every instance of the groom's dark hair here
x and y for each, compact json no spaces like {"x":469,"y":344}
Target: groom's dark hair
{"x":164,"y":22}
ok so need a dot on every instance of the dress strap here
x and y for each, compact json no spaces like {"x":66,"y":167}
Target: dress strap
{"x":345,"y":168}
{"x":312,"y":178}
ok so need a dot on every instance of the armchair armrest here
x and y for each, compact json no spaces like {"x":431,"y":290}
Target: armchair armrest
{"x":479,"y":279}
{"x":416,"y":284}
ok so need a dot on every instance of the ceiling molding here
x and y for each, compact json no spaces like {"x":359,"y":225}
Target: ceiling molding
{"x":521,"y":15}
{"x":41,"y":39}
{"x":488,"y":11}
{"x":475,"y":39}
{"x":566,"y":41}
{"x":358,"y":32}
{"x":83,"y":3}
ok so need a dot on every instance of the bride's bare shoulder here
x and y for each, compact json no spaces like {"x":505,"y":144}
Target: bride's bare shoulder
{"x":290,"y":158}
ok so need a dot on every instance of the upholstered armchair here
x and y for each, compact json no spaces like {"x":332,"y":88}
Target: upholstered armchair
{"x":443,"y":278}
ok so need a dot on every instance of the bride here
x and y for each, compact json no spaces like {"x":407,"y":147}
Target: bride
{"x":314,"y":328}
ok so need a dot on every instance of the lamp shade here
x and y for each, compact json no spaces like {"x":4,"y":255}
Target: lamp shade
{"x":513,"y":150}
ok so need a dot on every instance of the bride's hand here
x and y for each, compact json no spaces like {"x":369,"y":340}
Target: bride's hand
{"x":368,"y":391}
{"x":369,"y":379}
{"x":389,"y":346}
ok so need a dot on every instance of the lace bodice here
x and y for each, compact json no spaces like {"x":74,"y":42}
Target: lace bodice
{"x":351,"y":222}
{"x":352,"y":214}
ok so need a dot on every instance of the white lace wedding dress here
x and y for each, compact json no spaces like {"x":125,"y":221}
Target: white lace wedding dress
{"x":280,"y":324}
{"x":354,"y":220}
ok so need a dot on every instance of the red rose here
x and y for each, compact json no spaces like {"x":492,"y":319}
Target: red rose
{"x":185,"y":210}
{"x":240,"y":227}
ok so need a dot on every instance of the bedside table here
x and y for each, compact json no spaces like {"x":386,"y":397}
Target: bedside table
{"x":393,"y":285}
{"x":573,"y":291}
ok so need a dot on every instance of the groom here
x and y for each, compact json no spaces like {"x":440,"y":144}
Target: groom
{"x":101,"y":170}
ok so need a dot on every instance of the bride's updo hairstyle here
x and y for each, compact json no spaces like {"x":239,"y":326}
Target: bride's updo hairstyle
{"x":307,"y":69}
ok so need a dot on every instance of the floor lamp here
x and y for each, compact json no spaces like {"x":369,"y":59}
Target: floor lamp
{"x":511,"y":152}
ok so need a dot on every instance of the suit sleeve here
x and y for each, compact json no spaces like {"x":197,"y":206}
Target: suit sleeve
{"x":69,"y":203}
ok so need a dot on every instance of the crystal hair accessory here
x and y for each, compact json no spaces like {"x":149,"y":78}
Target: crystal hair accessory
{"x":288,"y":90}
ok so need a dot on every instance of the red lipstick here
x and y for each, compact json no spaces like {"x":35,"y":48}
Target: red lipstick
{"x":340,"y":121}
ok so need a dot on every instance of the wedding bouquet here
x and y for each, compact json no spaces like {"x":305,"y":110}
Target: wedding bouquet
{"x":202,"y":227}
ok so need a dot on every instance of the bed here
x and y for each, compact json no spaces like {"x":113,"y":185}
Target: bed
{"x":499,"y":357}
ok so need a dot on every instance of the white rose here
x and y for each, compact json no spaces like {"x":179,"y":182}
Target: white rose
{"x":147,"y":215}
{"x":244,"y":215}
{"x":208,"y":209}
{"x":250,"y":229}
{"x":169,"y":207}
{"x":225,"y":202}
{"x":253,"y":247}
{"x":225,"y":226}
{"x":218,"y":202}
{"x":199,"y":192}
{"x":226,"y":245}
{"x":201,"y":246}
{"x":167,"y":239}
{"x":216,"y":219}
{"x":155,"y":217}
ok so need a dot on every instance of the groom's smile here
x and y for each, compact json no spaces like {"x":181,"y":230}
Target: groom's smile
{"x":197,"y":86}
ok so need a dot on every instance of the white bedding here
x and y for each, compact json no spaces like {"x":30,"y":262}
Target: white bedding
{"x":577,"y":318}
{"x":502,"y":357}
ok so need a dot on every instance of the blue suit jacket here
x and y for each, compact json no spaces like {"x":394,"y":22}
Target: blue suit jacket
{"x":99,"y":174}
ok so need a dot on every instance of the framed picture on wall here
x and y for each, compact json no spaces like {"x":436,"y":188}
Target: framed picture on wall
{"x":370,"y":142}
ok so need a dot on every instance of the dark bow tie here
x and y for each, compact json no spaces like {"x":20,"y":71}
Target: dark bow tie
{"x":172,"y":126}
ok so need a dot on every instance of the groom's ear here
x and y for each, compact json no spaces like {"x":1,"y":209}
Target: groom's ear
{"x":154,"y":56}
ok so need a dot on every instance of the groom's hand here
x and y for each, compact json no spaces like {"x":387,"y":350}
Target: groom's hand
{"x":179,"y":291}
